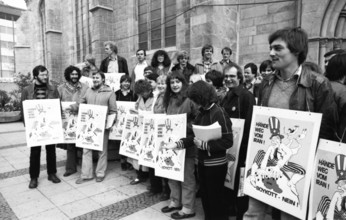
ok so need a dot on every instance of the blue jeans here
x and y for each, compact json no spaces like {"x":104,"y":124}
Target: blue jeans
{"x":184,"y":193}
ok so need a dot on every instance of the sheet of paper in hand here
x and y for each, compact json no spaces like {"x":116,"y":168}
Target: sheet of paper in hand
{"x":207,"y":133}
{"x":43,"y":124}
{"x":91,"y":126}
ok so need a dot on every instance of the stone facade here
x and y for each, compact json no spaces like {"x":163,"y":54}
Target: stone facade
{"x":58,"y":33}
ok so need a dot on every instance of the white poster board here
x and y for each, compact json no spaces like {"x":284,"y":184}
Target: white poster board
{"x":328,"y":184}
{"x":131,"y":137}
{"x":43,"y":124}
{"x":69,"y":122}
{"x":280,"y":156}
{"x":232,"y":153}
{"x":91,"y":124}
{"x":86,"y":80}
{"x":123,"y":108}
{"x":170,"y":163}
{"x":113,"y":80}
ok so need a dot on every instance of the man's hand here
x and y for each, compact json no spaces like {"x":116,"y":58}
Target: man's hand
{"x":197,"y":142}
{"x":170,"y":146}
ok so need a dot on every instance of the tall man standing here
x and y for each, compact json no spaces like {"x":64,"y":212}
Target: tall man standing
{"x":113,"y":63}
{"x":72,"y":91}
{"x":41,"y":89}
{"x":226,"y":57}
{"x":207,"y":62}
{"x":293,"y":86}
{"x":138,"y":70}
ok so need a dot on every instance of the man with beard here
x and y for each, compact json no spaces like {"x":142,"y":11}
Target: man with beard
{"x":113,"y":63}
{"x":41,"y":89}
{"x":71,"y":91}
{"x":99,"y":94}
{"x":238,"y":103}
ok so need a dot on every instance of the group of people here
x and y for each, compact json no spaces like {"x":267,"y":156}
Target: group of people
{"x":206,"y":92}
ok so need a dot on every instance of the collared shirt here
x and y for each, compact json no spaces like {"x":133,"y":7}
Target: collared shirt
{"x":139,"y":70}
{"x":250,"y":86}
{"x":206,"y":66}
{"x":113,"y":66}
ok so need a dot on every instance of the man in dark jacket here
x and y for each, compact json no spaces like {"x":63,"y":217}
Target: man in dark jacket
{"x":113,"y":63}
{"x":41,"y":89}
{"x":184,"y":65}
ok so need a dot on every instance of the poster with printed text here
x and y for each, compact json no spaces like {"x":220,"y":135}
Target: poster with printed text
{"x":86,"y":80}
{"x":232,"y":153}
{"x":280,"y":156}
{"x":69,"y":122}
{"x":116,"y":130}
{"x":328,"y":183}
{"x":43,"y":124}
{"x":113,"y":80}
{"x":131,"y":137}
{"x":91,"y":124}
{"x":148,"y":152}
{"x":170,"y":163}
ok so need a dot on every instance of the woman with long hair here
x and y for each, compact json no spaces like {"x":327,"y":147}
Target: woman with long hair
{"x":161,"y":61}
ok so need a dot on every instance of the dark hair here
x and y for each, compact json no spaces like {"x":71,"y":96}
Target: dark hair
{"x":142,"y":86}
{"x":149,"y":68}
{"x":38,"y":69}
{"x":313,"y":66}
{"x":145,"y":52}
{"x":226,"y":49}
{"x":69,"y":70}
{"x":338,"y":51}
{"x":216,"y":77}
{"x":239,"y":71}
{"x":253,"y":68}
{"x":296,"y":40}
{"x":112,"y":45}
{"x":265,"y":64}
{"x":125,"y":78}
{"x":169,"y":93}
{"x":202,"y":93}
{"x":101,"y":74}
{"x":207,"y":46}
{"x":166,"y":59}
{"x":336,"y":68}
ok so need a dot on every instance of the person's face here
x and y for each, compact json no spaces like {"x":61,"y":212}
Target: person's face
{"x":152,"y":83}
{"x":268,"y":71}
{"x":87,"y":64}
{"x":275,"y":140}
{"x":248,"y":75}
{"x":176,"y":85}
{"x":161,"y":85}
{"x":108,"y":50}
{"x":327,"y":59}
{"x":140,"y":56}
{"x":147,"y":72}
{"x":74,"y":77}
{"x":42,"y":77}
{"x":125,"y":85}
{"x":97,"y":80}
{"x":281,"y":56}
{"x":342,"y":185}
{"x":226,"y":55}
{"x":183,"y":61}
{"x":231,"y":78}
{"x":160,"y":58}
{"x":208,"y":53}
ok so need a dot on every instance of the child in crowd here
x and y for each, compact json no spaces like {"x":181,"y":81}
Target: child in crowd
{"x":183,"y":194}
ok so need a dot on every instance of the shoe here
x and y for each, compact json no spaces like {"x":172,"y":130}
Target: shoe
{"x":177,"y":215}
{"x":123,"y":166}
{"x":53,"y":178}
{"x":136,"y":181}
{"x":170,"y":209}
{"x":33,"y":183}
{"x":80,"y":180}
{"x":69,"y":173}
{"x":164,"y":197}
{"x":100,"y":179}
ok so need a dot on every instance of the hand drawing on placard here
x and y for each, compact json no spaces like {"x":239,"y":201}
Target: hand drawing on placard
{"x":273,"y":168}
{"x":89,"y":131}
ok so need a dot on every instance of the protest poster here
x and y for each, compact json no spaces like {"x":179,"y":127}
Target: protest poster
{"x":328,"y":183}
{"x":131,"y":137}
{"x":86,"y":80}
{"x":113,"y":80}
{"x":123,"y":108}
{"x":43,"y":124}
{"x":91,"y":126}
{"x":69,"y":122}
{"x":232,"y":153}
{"x":280,"y":156}
{"x":148,"y":152}
{"x":170,"y":163}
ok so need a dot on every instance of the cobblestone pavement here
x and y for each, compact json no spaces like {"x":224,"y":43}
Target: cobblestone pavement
{"x":114,"y":198}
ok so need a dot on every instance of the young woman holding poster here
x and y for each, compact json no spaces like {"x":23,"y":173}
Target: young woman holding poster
{"x":183,"y":194}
